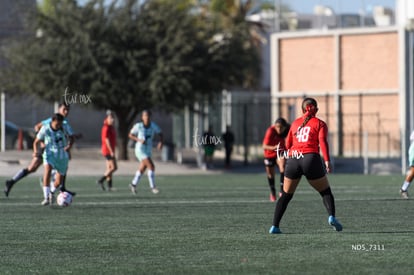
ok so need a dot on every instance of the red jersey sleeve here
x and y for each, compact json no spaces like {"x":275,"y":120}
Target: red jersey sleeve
{"x":268,"y":136}
{"x":289,"y":139}
{"x":323,"y":140}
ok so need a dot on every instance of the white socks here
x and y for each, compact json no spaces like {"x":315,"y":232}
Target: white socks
{"x":46,"y":191}
{"x":151,"y":176}
{"x":405,"y":186}
{"x":137,"y":177}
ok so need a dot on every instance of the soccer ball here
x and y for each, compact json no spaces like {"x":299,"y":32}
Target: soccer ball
{"x":64,"y":199}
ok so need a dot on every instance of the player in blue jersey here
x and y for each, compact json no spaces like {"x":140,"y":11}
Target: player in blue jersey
{"x":143,"y":133}
{"x":410,"y":174}
{"x":63,"y":109}
{"x":53,"y":139}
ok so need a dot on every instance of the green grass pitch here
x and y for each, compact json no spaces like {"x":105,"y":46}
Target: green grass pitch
{"x":212,"y":224}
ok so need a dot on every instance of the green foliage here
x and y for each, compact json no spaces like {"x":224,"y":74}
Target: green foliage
{"x":128,"y":56}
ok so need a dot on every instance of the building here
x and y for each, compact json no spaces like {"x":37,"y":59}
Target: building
{"x":362,"y":78}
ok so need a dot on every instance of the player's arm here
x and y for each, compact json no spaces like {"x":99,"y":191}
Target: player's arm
{"x":161,"y":141}
{"x":77,"y":136}
{"x":38,"y":143}
{"x":38,"y":126}
{"x":44,"y":122}
{"x":133,"y":134}
{"x":107,"y":142}
{"x":289,"y":139}
{"x":266,"y":141}
{"x":323,"y":144}
{"x":70,"y":143}
{"x":108,"y":145}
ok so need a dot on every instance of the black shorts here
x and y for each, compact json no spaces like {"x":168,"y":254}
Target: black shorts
{"x":310,"y":165}
{"x":109,"y":157}
{"x":270,"y":162}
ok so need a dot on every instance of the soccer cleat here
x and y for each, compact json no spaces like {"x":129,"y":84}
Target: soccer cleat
{"x":335,"y":223}
{"x":272,"y":197}
{"x":404,"y":194}
{"x":63,"y":189}
{"x":274,"y":230}
{"x":9,"y":184}
{"x":45,"y":202}
{"x":155,"y":190}
{"x":100,"y":183}
{"x":133,"y":188}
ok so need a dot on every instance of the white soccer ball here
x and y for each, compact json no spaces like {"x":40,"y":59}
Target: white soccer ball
{"x":64,"y":199}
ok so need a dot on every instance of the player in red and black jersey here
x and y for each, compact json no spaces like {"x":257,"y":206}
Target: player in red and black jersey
{"x":306,"y":135}
{"x":108,"y":144}
{"x":273,"y":147}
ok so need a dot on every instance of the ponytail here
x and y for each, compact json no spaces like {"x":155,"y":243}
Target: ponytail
{"x":309,"y":108}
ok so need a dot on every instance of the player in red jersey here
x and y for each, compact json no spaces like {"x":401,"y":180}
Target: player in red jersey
{"x":273,"y":147}
{"x":306,"y":135}
{"x":108,"y":137}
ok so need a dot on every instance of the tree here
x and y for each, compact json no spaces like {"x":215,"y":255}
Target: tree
{"x":126,"y":56}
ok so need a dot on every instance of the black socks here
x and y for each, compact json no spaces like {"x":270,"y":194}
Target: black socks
{"x":328,"y":201}
{"x":271,"y":182}
{"x":281,"y":206}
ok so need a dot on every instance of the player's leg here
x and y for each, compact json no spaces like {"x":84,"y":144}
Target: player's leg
{"x":46,"y":181}
{"x":151,"y":175}
{"x":140,"y":171}
{"x":53,"y":183}
{"x":292,"y":177}
{"x":316,"y":175}
{"x":111,"y":168}
{"x":407,"y":182}
{"x":281,"y":164}
{"x":57,"y":182}
{"x":33,"y":166}
{"x":61,"y":166}
{"x":410,"y":174}
{"x":228,"y":156}
{"x":101,"y":180}
{"x":289,"y":187}
{"x":270,"y":174}
{"x":322,"y":186}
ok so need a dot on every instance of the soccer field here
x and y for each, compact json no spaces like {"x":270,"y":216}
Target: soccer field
{"x":212,"y":224}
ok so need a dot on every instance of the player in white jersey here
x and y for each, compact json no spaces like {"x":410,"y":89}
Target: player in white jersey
{"x":410,"y":174}
{"x":52,"y":138}
{"x":63,"y":109}
{"x":143,"y":133}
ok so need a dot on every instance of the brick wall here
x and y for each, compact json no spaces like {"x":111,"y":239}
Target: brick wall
{"x":367,"y":62}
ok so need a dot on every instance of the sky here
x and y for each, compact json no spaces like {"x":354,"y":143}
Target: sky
{"x":339,"y":6}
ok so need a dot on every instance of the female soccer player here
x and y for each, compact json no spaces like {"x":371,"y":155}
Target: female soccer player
{"x":143,"y":133}
{"x":273,"y":147}
{"x":55,"y":154}
{"x":63,"y":110}
{"x":305,"y":136}
{"x":410,"y":175}
{"x":108,"y":140}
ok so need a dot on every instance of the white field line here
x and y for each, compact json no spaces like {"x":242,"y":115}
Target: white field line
{"x":137,"y":202}
{"x":160,"y":202}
